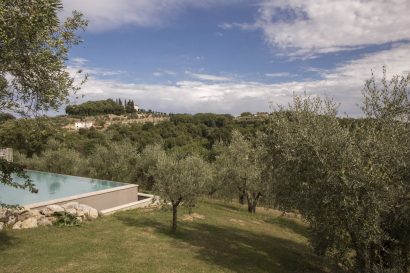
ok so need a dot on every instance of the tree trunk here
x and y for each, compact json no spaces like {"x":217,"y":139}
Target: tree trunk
{"x":251,"y":205}
{"x":251,"y":208}
{"x":211,"y":193}
{"x":252,"y":201}
{"x":241,"y":199}
{"x":174,"y":217}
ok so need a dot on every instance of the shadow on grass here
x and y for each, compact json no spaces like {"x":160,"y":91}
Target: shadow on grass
{"x":6,"y":240}
{"x":226,"y":205}
{"x":287,"y":223}
{"x":236,"y":249}
{"x":281,"y":221}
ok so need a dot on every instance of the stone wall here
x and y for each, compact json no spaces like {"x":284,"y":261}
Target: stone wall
{"x":31,"y":218}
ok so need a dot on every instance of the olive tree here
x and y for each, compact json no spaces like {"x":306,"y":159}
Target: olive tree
{"x":61,"y":160}
{"x":179,"y":181}
{"x":114,"y":162}
{"x":240,"y":169}
{"x":350,"y":184}
{"x":147,"y":160}
{"x":34,"y":47}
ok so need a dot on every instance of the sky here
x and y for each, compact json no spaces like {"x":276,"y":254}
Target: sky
{"x":234,"y":56}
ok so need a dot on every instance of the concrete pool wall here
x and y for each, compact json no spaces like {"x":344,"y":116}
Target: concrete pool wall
{"x":100,"y":200}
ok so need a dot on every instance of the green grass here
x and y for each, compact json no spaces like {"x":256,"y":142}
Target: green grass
{"x":227,"y":240}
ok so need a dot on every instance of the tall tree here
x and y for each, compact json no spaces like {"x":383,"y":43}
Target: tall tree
{"x":129,"y":107}
{"x":34,"y":47}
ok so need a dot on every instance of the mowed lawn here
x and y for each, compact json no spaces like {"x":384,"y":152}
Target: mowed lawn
{"x":227,"y":239}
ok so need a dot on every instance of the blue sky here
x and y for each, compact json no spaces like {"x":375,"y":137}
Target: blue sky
{"x":231,"y":56}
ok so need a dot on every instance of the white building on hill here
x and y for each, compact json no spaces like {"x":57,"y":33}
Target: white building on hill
{"x":7,"y":154}
{"x":83,"y":124}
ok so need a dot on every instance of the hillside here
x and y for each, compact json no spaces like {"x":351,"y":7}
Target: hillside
{"x":227,"y":239}
{"x":104,"y":121}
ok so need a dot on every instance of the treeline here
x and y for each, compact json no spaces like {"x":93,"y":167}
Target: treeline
{"x":190,"y":133}
{"x":348,"y":178}
{"x":109,"y":106}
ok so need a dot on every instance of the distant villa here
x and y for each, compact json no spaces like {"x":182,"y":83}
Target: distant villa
{"x":83,"y":124}
{"x":7,"y":154}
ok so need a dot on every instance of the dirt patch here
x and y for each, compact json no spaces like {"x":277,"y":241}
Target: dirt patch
{"x":191,"y":217}
{"x":258,"y":222}
{"x":237,"y":221}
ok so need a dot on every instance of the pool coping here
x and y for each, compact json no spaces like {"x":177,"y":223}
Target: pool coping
{"x":79,"y":196}
{"x":146,"y":202}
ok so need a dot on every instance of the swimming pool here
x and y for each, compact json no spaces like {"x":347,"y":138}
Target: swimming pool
{"x":58,"y":189}
{"x":52,"y":186}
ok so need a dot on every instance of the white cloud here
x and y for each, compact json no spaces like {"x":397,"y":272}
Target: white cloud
{"x":164,"y":72}
{"x":110,"y":14}
{"x":305,"y":28}
{"x":208,"y":77}
{"x":77,"y":64}
{"x":279,"y":75}
{"x":78,"y":61}
{"x":344,"y":83}
{"x":226,"y":26}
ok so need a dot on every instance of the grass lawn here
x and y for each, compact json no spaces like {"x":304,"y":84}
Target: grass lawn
{"x":228,"y":239}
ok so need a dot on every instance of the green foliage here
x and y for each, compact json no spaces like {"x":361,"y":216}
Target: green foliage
{"x":41,"y":144}
{"x":179,"y":180}
{"x":59,"y":160}
{"x":91,"y":108}
{"x":114,"y":162}
{"x":129,"y":108}
{"x":33,"y":75}
{"x":34,"y":48}
{"x":66,"y":219}
{"x":5,"y":117}
{"x":208,"y":119}
{"x":146,"y":162}
{"x":350,"y":184}
{"x":246,"y":114}
{"x":239,"y":169}
{"x":28,"y":136}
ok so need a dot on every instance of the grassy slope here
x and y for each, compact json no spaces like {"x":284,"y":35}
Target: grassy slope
{"x":227,"y":240}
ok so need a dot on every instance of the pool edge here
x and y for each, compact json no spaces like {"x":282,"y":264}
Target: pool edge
{"x":83,"y":196}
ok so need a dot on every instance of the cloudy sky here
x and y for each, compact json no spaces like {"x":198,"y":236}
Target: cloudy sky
{"x":231,"y":56}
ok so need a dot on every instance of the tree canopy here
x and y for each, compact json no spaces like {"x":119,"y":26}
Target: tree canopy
{"x":240,"y":171}
{"x":352,"y":186}
{"x":179,"y":180}
{"x":34,"y":47}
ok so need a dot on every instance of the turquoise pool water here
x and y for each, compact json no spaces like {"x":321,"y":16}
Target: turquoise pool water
{"x":52,"y":186}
